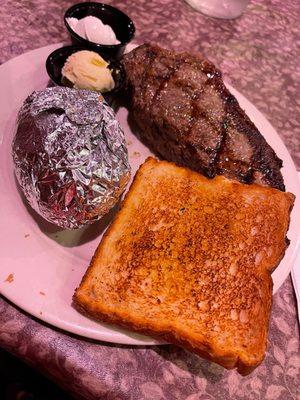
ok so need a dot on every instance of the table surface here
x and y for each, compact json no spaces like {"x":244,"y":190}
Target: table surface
{"x":258,"y":55}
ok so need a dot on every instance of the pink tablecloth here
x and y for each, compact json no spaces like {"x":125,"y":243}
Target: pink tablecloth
{"x":258,"y":55}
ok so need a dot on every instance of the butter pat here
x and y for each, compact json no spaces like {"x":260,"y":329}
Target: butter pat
{"x":87,"y":70}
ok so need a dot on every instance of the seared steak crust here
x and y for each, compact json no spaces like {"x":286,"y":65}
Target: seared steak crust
{"x":186,"y":114}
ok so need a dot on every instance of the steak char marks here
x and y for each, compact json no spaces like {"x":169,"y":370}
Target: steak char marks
{"x":186,"y":115}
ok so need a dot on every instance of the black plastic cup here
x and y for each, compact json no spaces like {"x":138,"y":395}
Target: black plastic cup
{"x":121,"y":24}
{"x":57,"y":59}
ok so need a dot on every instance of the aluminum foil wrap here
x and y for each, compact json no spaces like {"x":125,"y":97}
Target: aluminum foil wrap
{"x":70,"y":155}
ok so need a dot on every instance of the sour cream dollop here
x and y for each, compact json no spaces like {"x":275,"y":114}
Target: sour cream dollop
{"x":93,"y":29}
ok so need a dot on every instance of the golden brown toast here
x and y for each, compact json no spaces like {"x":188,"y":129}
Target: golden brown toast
{"x":189,"y":259}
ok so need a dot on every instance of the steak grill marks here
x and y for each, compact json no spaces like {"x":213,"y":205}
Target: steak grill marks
{"x":186,"y":114}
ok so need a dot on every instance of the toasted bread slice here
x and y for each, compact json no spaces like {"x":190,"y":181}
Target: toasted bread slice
{"x":189,"y":259}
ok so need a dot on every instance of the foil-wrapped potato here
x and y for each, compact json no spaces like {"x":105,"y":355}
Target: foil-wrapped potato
{"x":70,"y":156}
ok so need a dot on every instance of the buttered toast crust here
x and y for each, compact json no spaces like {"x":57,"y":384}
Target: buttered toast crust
{"x":189,"y":260}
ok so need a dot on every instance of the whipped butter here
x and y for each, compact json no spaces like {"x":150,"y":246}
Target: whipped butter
{"x":88,"y":70}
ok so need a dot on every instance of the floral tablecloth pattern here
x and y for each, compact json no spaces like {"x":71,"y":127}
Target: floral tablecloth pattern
{"x":259,"y":55}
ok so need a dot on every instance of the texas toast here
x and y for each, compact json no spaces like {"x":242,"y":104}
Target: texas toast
{"x":189,"y":259}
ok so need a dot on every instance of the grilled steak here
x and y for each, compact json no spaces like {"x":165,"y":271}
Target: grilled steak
{"x":186,"y":115}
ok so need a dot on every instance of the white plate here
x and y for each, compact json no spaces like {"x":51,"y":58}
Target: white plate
{"x":47,"y":264}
